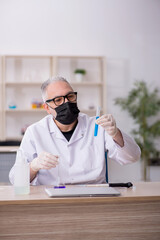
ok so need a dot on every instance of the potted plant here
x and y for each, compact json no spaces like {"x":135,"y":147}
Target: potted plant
{"x":143,"y":104}
{"x":79,"y":73}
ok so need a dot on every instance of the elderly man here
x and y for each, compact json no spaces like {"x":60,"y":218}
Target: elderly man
{"x":62,"y":149}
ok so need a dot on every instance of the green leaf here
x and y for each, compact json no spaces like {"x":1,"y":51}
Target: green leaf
{"x":154,"y":129}
{"x":141,"y":104}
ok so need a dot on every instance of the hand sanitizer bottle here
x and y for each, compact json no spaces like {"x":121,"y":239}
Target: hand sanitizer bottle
{"x":22,"y":174}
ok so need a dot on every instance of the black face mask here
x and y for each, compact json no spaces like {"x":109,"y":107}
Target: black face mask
{"x":67,"y":113}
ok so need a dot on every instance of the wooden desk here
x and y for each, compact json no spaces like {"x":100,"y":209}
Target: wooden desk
{"x":133,"y":215}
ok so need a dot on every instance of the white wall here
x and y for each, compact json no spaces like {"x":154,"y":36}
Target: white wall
{"x":126,"y":32}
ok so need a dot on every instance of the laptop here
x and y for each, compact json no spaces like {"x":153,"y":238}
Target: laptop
{"x":81,"y":191}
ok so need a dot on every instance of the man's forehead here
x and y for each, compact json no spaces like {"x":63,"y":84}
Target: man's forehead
{"x":59,"y":88}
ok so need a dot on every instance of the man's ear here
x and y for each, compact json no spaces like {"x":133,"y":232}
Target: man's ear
{"x":46,"y":107}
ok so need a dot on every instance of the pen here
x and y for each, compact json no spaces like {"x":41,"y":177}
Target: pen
{"x":96,"y":125}
{"x":128,"y":184}
{"x":59,"y":187}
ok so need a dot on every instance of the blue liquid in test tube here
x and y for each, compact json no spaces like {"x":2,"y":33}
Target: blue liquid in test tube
{"x":96,"y":125}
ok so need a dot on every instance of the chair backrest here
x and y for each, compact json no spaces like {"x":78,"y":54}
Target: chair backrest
{"x":106,"y":167}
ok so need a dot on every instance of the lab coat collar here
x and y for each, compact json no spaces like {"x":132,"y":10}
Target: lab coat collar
{"x":78,"y":133}
{"x":52,"y":126}
{"x":54,"y":129}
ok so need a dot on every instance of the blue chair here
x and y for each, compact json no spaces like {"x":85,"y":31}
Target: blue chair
{"x":106,"y":167}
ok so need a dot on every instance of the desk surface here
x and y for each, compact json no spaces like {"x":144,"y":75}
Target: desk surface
{"x":148,"y":191}
{"x":134,"y":215}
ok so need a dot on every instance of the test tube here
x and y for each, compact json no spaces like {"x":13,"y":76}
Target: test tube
{"x":96,"y":125}
{"x":58,"y":173}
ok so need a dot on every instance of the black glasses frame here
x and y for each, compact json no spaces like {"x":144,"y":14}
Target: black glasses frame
{"x":66,"y":96}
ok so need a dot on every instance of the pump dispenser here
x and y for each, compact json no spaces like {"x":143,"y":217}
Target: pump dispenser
{"x":22,"y":174}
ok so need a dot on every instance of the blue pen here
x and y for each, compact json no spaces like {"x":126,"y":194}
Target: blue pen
{"x":96,"y":125}
{"x":59,"y":187}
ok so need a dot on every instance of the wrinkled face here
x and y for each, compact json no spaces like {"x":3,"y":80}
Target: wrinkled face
{"x":56,"y":89}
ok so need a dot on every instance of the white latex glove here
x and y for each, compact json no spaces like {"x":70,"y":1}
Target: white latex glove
{"x":44,"y":161}
{"x":108,"y":123}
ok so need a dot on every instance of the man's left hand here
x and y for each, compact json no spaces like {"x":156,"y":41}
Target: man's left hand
{"x":108,"y":123}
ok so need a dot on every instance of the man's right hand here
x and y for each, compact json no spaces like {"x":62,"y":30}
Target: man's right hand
{"x":44,"y":161}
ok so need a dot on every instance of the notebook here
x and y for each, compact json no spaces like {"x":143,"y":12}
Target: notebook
{"x":82,"y":191}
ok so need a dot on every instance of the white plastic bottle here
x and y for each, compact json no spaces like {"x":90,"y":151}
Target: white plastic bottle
{"x":22,"y":174}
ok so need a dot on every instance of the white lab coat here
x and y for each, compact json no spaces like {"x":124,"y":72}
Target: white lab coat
{"x":81,"y":160}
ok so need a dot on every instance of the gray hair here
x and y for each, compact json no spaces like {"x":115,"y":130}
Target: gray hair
{"x":48,"y":82}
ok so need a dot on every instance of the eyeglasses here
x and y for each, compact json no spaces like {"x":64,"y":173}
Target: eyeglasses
{"x":71,"y":97}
